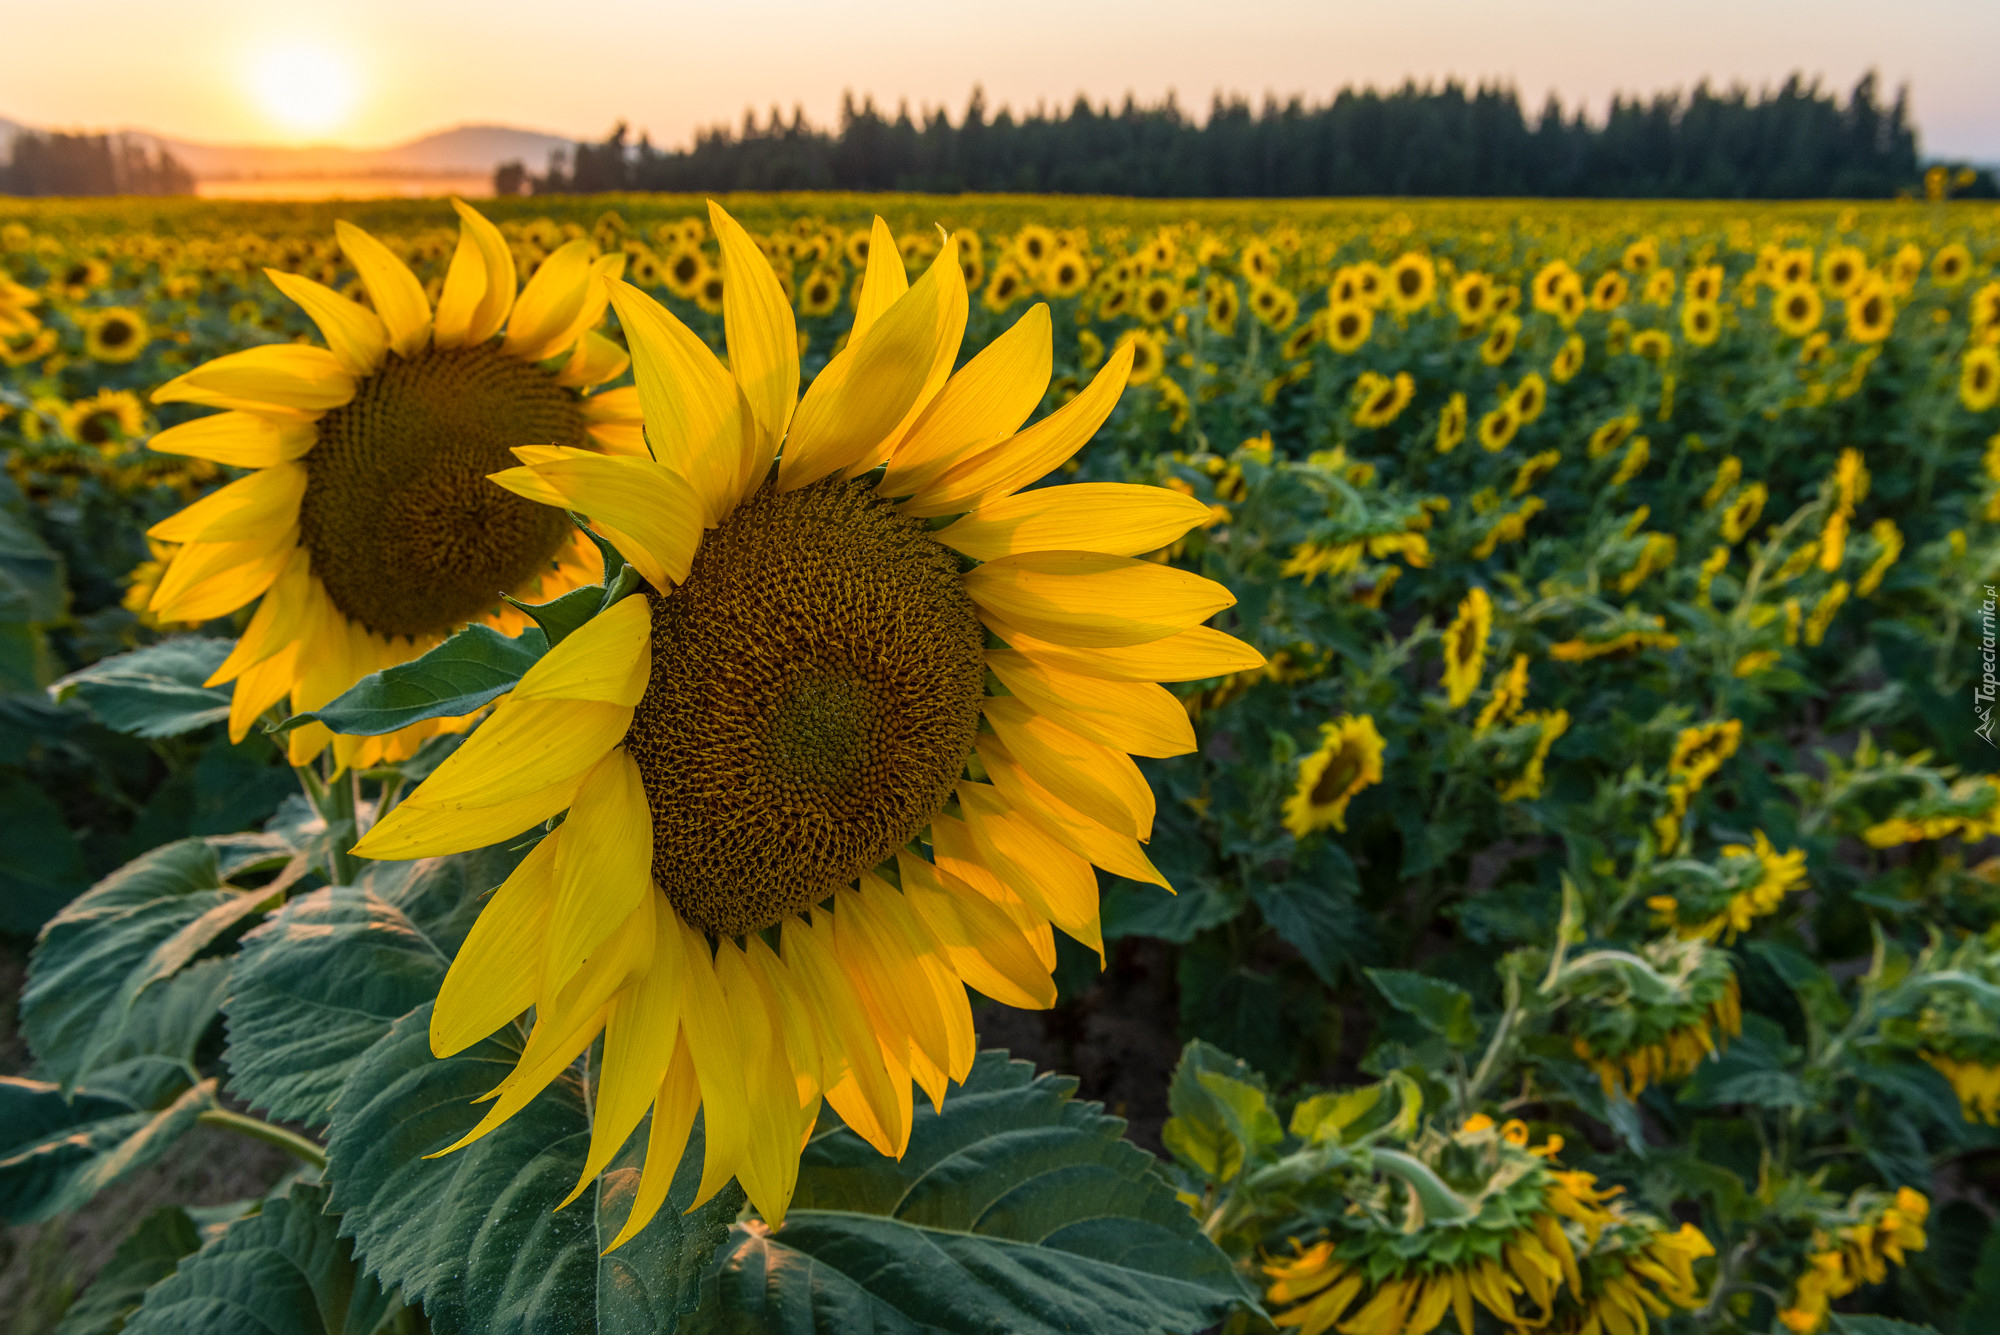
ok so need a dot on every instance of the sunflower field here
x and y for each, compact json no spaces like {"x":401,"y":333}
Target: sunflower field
{"x":563,"y":743}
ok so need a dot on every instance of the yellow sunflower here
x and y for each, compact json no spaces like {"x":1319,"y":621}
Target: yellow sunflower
{"x":1569,"y":360}
{"x":1796,"y":310}
{"x":368,"y":527}
{"x":1348,"y":325}
{"x":1159,"y":298}
{"x":818,"y":295}
{"x":1498,"y":425}
{"x":1451,"y":423}
{"x":1224,"y":304}
{"x":1465,"y":646}
{"x":1842,"y":270}
{"x":1979,"y":378}
{"x":1066,"y":274}
{"x":114,"y":335}
{"x":1412,"y":281}
{"x":1349,"y":759}
{"x":797,"y":824}
{"x":1608,"y":293}
{"x":1870,"y":311}
{"x":1498,"y":345}
{"x":1951,"y":265}
{"x":1530,"y":397}
{"x":1472,"y":298}
{"x":1380,"y":399}
{"x":1004,"y":288}
{"x":1701,"y":323}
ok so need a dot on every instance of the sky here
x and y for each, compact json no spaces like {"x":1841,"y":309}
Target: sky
{"x":367,"y":73}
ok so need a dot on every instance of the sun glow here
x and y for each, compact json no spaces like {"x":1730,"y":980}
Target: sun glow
{"x":306,"y":89}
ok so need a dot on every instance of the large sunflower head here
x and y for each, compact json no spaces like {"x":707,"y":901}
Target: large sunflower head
{"x":367,"y":525}
{"x":837,"y":758}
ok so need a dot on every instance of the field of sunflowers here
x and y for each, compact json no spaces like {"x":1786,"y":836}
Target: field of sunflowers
{"x":1575,"y":771}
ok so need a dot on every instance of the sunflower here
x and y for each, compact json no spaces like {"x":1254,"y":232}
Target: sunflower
{"x":1380,"y":399}
{"x":1641,"y":256}
{"x":1842,"y":270}
{"x":818,"y":295}
{"x":1546,"y":289}
{"x":1345,"y":287}
{"x":1412,"y":282}
{"x":856,"y":246}
{"x":683,"y":270}
{"x":1951,"y":265}
{"x":1348,"y":325}
{"x":1033,"y":244}
{"x":1004,"y":288}
{"x":1349,"y":759}
{"x":756,"y":750}
{"x":1256,"y":262}
{"x":1793,"y":267}
{"x":1870,"y":311}
{"x":1066,"y":274}
{"x":16,"y":309}
{"x":1979,"y":378}
{"x":1472,"y":299}
{"x":1159,"y":298}
{"x":1498,"y":425}
{"x":1704,"y":284}
{"x":1300,"y":341}
{"x":1530,"y":397}
{"x":708,"y":291}
{"x":1655,"y":345}
{"x":1532,"y":470}
{"x":1701,"y":323}
{"x":368,"y":526}
{"x":1371,"y":284}
{"x":1148,"y":353}
{"x":1608,"y":293}
{"x":1569,"y":360}
{"x":1611,"y":435}
{"x":1275,"y":306}
{"x":1451,"y":423}
{"x":105,"y":418}
{"x":1660,"y":287}
{"x":114,"y":335}
{"x":1984,"y":313}
{"x":1498,"y":345}
{"x":1465,"y":646}
{"x":1224,"y":304}
{"x":1796,"y":310}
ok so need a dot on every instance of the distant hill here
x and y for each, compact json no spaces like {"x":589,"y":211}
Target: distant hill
{"x":469,"y":150}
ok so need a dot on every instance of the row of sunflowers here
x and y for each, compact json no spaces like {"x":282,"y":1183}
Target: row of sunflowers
{"x":1500,"y":692}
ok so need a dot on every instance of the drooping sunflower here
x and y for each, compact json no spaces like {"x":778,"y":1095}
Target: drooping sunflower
{"x":1349,"y":758}
{"x":368,"y":527}
{"x":1380,"y":399}
{"x":797,"y":824}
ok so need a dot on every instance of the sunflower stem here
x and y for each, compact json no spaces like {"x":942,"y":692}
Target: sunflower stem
{"x":340,"y":810}
{"x":307,"y":1151}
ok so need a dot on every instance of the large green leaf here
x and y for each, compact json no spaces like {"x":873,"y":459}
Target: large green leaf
{"x":134,"y":929}
{"x":59,"y":1149}
{"x":468,"y":671}
{"x":156,"y":691}
{"x":147,"y":1255}
{"x":282,"y":1271}
{"x":313,"y":989}
{"x":1018,"y":1209}
{"x":1221,"y":1113}
{"x":1441,"y":1007}
{"x":475,"y":1235}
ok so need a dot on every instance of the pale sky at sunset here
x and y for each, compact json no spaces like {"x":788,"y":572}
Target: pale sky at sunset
{"x":373,"y":72}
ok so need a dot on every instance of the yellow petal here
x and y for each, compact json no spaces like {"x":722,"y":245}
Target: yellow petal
{"x":962,"y":870}
{"x":525,"y":746}
{"x":280,"y":378}
{"x":608,"y":658}
{"x":983,"y":946}
{"x":354,"y":334}
{"x":1031,"y":454}
{"x":1091,"y":601}
{"x":640,"y":1036}
{"x":258,"y":687}
{"x":982,"y":405}
{"x":550,"y":302}
{"x":247,"y":509}
{"x":415,"y":831}
{"x":1099,"y":781}
{"x":860,"y":1086}
{"x":769,"y":1167}
{"x":604,"y":868}
{"x":866,"y":392}
{"x":762,"y":336}
{"x":717,"y":1049}
{"x":618,"y":407}
{"x":697,"y":420}
{"x":882,"y":282}
{"x":655,"y":513}
{"x":1136,"y":717}
{"x":951,"y":335}
{"x":884,"y":973}
{"x":397,"y":295}
{"x":211,"y":579}
{"x":1048,"y":876}
{"x":1115,"y":517}
{"x":239,"y":439}
{"x":595,"y":360}
{"x":903,"y":941}
{"x":1119,"y":854}
{"x":279,"y":621}
{"x":479,"y":286}
{"x":1195,"y":654}
{"x":497,"y":972}
{"x":795,"y":1020}
{"x":674,"y":1107}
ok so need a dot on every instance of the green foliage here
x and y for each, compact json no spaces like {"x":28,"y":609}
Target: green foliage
{"x":145,"y":1256}
{"x":1016,"y":1208}
{"x":156,"y":691}
{"x":466,"y":673}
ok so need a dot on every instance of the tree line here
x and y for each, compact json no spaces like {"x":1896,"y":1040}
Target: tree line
{"x":90,"y":164}
{"x":1797,"y":141}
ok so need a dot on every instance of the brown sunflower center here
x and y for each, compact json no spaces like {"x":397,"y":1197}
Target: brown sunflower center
{"x":404,"y":530}
{"x":816,"y":686}
{"x":1341,"y":771}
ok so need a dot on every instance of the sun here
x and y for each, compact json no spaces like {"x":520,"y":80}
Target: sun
{"x":307,"y":89}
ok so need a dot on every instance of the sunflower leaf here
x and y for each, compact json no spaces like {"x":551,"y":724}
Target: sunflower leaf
{"x":466,"y":673}
{"x":147,"y":1255}
{"x":1441,"y":1007}
{"x":313,"y":989}
{"x":156,"y":691}
{"x":58,"y":1149}
{"x":475,"y":1234}
{"x":1017,"y":1209}
{"x":284,"y":1268}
